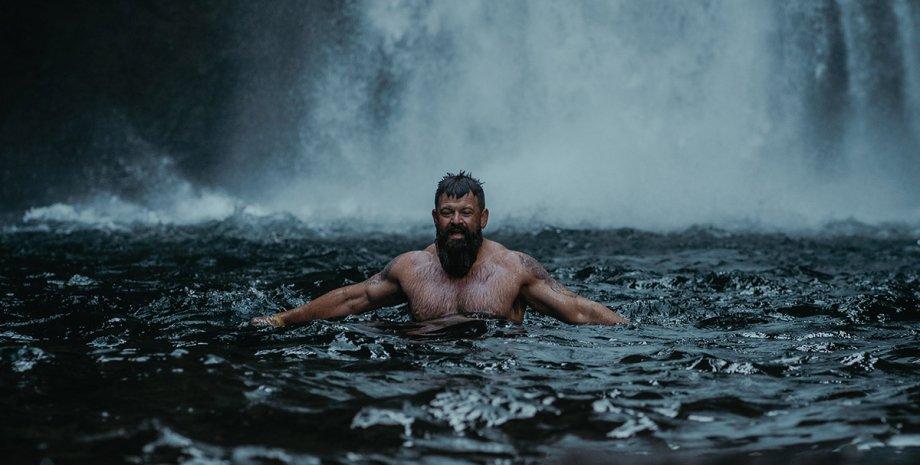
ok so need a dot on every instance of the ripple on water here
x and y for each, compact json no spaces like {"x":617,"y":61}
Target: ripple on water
{"x":713,"y":364}
{"x":78,"y":280}
{"x":170,"y":446}
{"x":24,"y":358}
{"x":746,"y":342}
{"x":370,"y":416}
{"x":465,"y":409}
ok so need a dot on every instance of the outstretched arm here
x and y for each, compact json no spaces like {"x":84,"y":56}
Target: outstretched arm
{"x":379,"y":290}
{"x":546,"y":295}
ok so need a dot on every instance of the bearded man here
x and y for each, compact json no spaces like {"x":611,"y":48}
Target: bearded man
{"x":460,"y":275}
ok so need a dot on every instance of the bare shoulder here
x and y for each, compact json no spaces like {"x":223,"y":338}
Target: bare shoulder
{"x":520,"y":263}
{"x":529,"y":266}
{"x":533,"y":272}
{"x":403,"y":263}
{"x":398,"y":267}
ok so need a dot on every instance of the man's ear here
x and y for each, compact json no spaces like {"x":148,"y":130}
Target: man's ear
{"x":434,"y":216}
{"x":484,"y":219}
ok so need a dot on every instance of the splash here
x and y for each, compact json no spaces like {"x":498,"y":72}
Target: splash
{"x":657,"y":115}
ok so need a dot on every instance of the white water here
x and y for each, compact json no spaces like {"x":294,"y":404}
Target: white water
{"x":652,"y":114}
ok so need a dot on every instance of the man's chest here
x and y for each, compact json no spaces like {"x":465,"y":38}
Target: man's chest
{"x":488,"y":290}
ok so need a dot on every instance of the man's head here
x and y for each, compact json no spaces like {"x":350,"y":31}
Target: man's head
{"x":459,"y":215}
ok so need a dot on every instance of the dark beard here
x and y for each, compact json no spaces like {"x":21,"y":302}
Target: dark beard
{"x":457,"y":256}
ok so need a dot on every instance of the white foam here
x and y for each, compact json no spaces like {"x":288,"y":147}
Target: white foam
{"x":904,"y":440}
{"x":370,"y":416}
{"x":467,"y":408}
{"x":863,"y":360}
{"x":78,"y":280}
{"x":633,"y":426}
{"x":111,"y":212}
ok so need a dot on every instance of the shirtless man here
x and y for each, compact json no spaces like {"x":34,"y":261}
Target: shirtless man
{"x":459,"y":274}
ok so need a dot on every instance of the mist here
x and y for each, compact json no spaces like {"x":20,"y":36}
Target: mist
{"x":655,"y":115}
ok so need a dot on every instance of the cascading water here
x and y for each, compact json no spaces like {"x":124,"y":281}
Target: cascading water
{"x":652,"y":114}
{"x":629,"y":113}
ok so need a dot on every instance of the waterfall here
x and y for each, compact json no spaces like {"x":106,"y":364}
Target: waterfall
{"x":656,"y":114}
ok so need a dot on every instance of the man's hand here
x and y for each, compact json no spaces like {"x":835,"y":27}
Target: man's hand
{"x":271,"y":320}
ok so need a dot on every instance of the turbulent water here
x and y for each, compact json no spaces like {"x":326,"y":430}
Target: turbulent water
{"x":648,"y":114}
{"x":133,"y":346}
{"x":160,"y":164}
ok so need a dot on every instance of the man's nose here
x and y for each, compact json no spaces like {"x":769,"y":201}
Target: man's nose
{"x":455,"y":219}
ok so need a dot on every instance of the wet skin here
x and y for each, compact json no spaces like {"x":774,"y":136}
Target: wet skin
{"x":501,"y":283}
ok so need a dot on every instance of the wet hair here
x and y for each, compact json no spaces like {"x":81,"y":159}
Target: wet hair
{"x":457,"y":185}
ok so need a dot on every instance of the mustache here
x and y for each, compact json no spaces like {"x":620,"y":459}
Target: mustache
{"x":455,"y":229}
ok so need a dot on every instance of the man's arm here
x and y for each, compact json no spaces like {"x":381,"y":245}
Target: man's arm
{"x":379,"y":290}
{"x":546,"y":295}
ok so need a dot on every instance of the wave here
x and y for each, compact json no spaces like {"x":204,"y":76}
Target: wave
{"x":229,"y":215}
{"x":112,"y":212}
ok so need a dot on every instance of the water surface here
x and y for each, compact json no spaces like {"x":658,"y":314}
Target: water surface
{"x":133,"y":346}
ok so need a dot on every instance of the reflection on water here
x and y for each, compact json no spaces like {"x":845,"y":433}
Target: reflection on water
{"x":135,"y":346}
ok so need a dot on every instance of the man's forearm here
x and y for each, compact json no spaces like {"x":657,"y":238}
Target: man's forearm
{"x":336,"y":303}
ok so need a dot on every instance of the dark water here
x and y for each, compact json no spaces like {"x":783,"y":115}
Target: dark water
{"x":133,"y":347}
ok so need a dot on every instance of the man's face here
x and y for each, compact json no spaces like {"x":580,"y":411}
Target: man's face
{"x":459,"y":214}
{"x":459,"y":224}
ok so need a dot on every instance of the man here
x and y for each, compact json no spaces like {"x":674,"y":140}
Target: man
{"x":459,"y":274}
